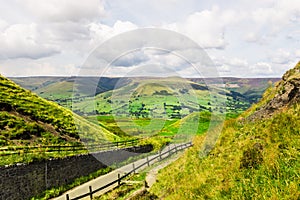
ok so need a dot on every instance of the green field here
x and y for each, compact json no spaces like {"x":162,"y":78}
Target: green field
{"x":166,"y":98}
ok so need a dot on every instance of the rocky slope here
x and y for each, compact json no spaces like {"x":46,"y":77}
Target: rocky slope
{"x":285,"y":94}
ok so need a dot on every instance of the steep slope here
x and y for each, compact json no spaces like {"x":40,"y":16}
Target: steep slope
{"x":256,"y":156}
{"x":285,"y":94}
{"x":26,"y":118}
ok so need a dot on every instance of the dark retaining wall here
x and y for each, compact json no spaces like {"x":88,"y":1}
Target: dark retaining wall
{"x":23,"y":181}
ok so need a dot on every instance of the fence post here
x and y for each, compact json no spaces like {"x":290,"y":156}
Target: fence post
{"x":91,"y":192}
{"x":67,"y":197}
{"x":119,"y":180}
{"x":133,"y":167}
{"x":160,"y":155}
{"x":148,"y":161}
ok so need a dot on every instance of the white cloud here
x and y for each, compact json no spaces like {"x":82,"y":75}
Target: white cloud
{"x":231,"y":66}
{"x":281,"y":56}
{"x":131,"y":59}
{"x":64,"y":10}
{"x":23,"y":41}
{"x":59,"y":34}
{"x":101,"y":32}
{"x":294,"y":36}
{"x":261,"y":69}
{"x":207,"y":27}
{"x":3,"y":24}
{"x":269,"y":21}
{"x":256,"y":37}
{"x":28,"y":67}
{"x":297,"y":53}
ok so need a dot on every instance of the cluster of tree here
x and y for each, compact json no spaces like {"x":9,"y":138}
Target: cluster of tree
{"x":139,"y":110}
{"x":173,"y":111}
{"x":162,"y":92}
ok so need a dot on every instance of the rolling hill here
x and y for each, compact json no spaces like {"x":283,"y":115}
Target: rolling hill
{"x":60,"y":89}
{"x":251,"y":88}
{"x":27,"y":119}
{"x":256,"y":157}
{"x":159,"y":97}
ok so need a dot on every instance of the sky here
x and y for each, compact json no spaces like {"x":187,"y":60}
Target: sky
{"x":257,"y":38}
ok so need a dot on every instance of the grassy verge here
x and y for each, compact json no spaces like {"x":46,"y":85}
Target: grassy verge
{"x":125,"y":189}
{"x":38,"y":156}
{"x":54,"y":192}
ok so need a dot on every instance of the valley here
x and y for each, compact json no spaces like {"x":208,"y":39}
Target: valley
{"x":83,"y":111}
{"x":126,"y":106}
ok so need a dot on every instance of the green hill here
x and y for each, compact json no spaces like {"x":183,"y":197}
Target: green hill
{"x":256,"y":157}
{"x":26,"y":119}
{"x":158,"y":97}
{"x":60,"y":89}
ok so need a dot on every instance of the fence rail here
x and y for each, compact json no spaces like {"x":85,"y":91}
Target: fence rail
{"x":6,"y":151}
{"x":160,"y":156}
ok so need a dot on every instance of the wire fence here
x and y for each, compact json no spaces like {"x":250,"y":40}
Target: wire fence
{"x":159,"y":156}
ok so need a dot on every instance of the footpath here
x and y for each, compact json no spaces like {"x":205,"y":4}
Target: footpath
{"x":114,"y":176}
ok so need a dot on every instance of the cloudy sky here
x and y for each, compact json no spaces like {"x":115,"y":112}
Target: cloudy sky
{"x":257,"y":38}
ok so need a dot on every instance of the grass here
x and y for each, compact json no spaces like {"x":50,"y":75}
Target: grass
{"x":60,"y":90}
{"x":37,"y":155}
{"x":125,"y":190}
{"x":247,"y":163}
{"x":160,"y":99}
{"x":54,"y":192}
{"x":257,"y":159}
{"x":26,"y":119}
{"x":24,"y":115}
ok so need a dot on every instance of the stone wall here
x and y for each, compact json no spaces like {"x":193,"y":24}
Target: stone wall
{"x":23,"y":181}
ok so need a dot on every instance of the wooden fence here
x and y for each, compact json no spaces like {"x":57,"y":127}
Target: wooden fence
{"x":6,"y":151}
{"x":118,"y":180}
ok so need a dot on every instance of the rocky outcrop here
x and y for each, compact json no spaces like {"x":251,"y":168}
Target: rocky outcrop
{"x":287,"y":93}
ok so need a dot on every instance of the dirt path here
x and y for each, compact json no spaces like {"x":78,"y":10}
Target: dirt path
{"x":152,"y":174}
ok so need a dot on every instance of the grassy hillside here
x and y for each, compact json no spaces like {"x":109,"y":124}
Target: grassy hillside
{"x":26,"y":119}
{"x":60,"y":89}
{"x":254,"y":158}
{"x":161,"y":97}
